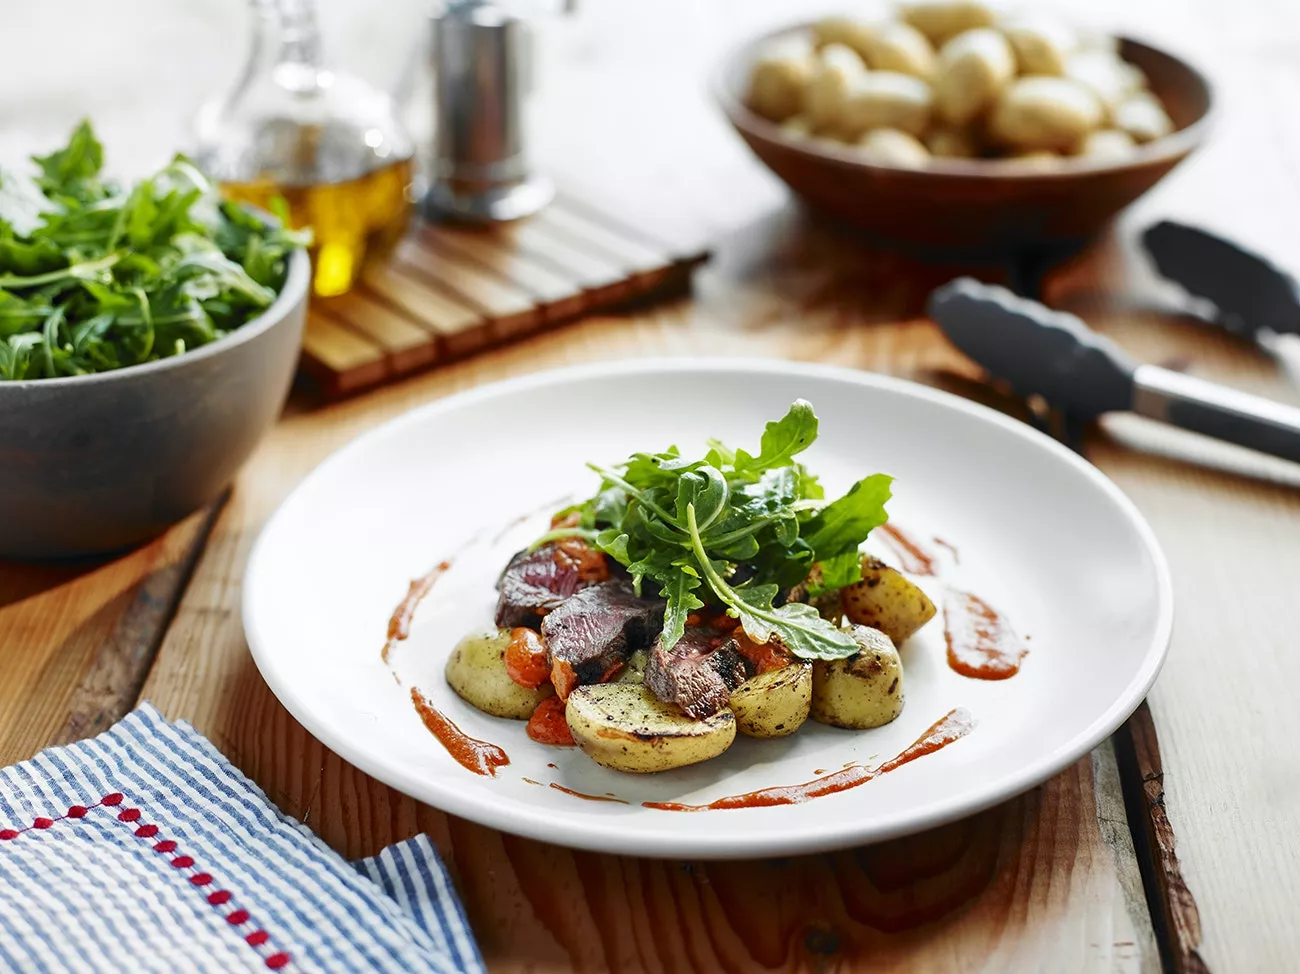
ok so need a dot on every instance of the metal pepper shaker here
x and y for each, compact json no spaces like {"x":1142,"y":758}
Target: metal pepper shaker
{"x":481,"y":63}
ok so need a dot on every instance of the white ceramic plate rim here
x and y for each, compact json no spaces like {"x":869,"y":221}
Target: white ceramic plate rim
{"x":826,"y":832}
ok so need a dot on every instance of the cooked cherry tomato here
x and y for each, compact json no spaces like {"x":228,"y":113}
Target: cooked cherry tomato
{"x":590,"y":563}
{"x":526,"y":658}
{"x":548,"y":726}
{"x":766,"y":656}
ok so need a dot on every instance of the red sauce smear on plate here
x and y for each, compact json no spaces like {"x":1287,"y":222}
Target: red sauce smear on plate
{"x":590,"y":798}
{"x":952,"y":549}
{"x":914,"y":559}
{"x":473,"y":755}
{"x":399,"y":623}
{"x":981,"y":643}
{"x":953,"y":726}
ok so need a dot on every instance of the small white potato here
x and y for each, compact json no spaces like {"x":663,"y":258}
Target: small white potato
{"x":837,"y":70}
{"x":887,"y":600}
{"x":1041,"y":45}
{"x":626,"y":727}
{"x":476,"y":670}
{"x":887,"y":99}
{"x":893,"y":147}
{"x":975,"y":67}
{"x":1044,"y":113}
{"x":900,"y":47}
{"x":775,"y":703}
{"x":1105,"y":144}
{"x":951,"y":142}
{"x":777,"y":83}
{"x":633,"y":670}
{"x":1034,"y":160}
{"x":852,"y":32}
{"x":1109,"y":78}
{"x":942,"y":20}
{"x":1090,"y":39}
{"x":865,"y":690}
{"x":1142,"y":117}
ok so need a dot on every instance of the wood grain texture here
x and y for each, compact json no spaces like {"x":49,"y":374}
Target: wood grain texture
{"x":1046,"y":882}
{"x":77,"y":639}
{"x":1224,"y":777}
{"x":645,"y":139}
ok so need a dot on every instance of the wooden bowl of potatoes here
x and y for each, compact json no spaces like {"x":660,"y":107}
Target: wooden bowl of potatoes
{"x":952,"y":126}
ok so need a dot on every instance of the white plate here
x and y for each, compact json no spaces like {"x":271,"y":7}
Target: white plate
{"x":1041,"y":535}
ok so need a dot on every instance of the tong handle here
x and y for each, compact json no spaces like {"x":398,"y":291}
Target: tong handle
{"x":1217,"y":411}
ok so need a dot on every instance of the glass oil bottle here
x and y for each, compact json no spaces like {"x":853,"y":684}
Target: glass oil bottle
{"x":327,"y":143}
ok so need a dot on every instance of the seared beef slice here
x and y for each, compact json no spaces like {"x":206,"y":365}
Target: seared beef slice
{"x":536,"y":582}
{"x":596,"y":629}
{"x":698,"y":674}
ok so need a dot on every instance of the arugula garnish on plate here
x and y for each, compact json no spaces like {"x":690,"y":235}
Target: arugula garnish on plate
{"x":736,"y":530}
{"x":95,"y":276}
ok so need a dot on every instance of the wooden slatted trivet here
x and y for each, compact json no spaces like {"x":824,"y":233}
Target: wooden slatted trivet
{"x":447,"y":292}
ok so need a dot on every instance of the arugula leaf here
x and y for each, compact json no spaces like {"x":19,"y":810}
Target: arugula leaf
{"x":798,"y":625}
{"x":704,"y":489}
{"x":679,"y":590}
{"x":735,"y":529}
{"x":838,"y":572}
{"x":94,"y":278}
{"x":73,"y":170}
{"x":782,"y":439}
{"x":843,"y":524}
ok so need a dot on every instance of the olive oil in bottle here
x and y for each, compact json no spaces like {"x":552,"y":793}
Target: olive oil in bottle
{"x":328,"y":143}
{"x":351,"y":220}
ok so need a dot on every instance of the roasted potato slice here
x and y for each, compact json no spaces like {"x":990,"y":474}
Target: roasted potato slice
{"x":633,"y":670}
{"x":864,"y":690}
{"x":886,"y":600}
{"x":626,"y":727}
{"x":476,"y":670}
{"x":775,"y":703}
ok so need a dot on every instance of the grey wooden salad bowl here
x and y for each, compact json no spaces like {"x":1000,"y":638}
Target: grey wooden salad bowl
{"x":95,"y":463}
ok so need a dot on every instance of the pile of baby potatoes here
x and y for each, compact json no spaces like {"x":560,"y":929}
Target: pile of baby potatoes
{"x":957,"y":80}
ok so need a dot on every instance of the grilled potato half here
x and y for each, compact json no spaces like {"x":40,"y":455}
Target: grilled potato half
{"x":775,"y":703}
{"x":886,"y":600}
{"x":626,"y":727}
{"x":476,"y":670}
{"x":865,"y":690}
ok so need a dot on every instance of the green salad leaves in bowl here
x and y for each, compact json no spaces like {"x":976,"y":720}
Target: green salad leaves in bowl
{"x":148,"y":337}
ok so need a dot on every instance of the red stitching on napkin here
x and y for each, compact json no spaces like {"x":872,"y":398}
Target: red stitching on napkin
{"x":236,"y":918}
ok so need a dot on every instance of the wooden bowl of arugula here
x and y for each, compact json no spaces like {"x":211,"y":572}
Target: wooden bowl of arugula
{"x":148,"y":339}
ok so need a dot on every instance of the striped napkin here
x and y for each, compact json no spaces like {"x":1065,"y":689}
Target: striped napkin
{"x":144,"y":849}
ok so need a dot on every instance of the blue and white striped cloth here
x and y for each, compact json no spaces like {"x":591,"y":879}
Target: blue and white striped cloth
{"x":144,"y":849}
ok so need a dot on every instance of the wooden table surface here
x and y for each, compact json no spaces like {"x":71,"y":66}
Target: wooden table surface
{"x":1172,"y":845}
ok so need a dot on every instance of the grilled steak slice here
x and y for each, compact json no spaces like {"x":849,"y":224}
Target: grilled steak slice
{"x":591,"y":634}
{"x":698,"y":674}
{"x":536,"y":582}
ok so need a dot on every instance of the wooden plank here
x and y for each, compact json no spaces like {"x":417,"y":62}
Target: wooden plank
{"x":340,"y":360}
{"x":78,"y":638}
{"x":1212,"y":503}
{"x":459,"y":328}
{"x":406,"y":345}
{"x":561,"y":297}
{"x":657,"y":220}
{"x":510,"y":310}
{"x":1169,"y":898}
{"x":606,"y":280}
{"x":630,"y":253}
